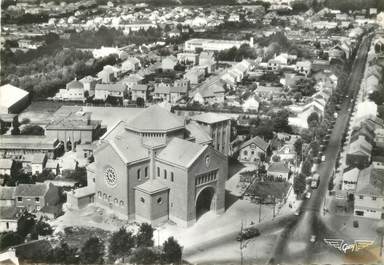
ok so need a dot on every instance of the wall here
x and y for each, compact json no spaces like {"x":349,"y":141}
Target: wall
{"x":12,"y":225}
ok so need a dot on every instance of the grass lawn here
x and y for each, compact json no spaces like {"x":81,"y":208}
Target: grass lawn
{"x":268,"y":189}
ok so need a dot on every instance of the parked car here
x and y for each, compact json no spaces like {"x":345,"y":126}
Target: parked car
{"x":312,"y":239}
{"x":248,"y":233}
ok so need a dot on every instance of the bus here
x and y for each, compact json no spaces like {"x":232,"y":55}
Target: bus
{"x":315,"y":181}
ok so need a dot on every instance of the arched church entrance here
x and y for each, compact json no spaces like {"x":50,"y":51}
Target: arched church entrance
{"x":204,"y":201}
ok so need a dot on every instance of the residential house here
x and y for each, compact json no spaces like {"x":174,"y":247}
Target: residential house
{"x":102,"y":91}
{"x":38,"y":163}
{"x":359,"y":154}
{"x":369,"y":194}
{"x":6,"y":166}
{"x":286,"y":152}
{"x":36,"y":197}
{"x":177,"y":92}
{"x":350,"y":177}
{"x":132,"y":80}
{"x":8,"y":212}
{"x":169,"y":63}
{"x":251,"y":104}
{"x":208,"y":60}
{"x":278,"y":170}
{"x":89,"y":83}
{"x":74,"y":91}
{"x":252,"y":150}
{"x":130,"y":64}
{"x":303,"y":67}
{"x":139,"y":91}
{"x":209,"y":94}
{"x":195,"y":75}
{"x":161,"y":92}
{"x":188,"y":58}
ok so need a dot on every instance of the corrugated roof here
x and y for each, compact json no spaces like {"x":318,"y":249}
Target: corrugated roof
{"x":181,"y":152}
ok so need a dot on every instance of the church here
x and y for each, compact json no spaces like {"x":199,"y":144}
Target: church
{"x":158,"y":167}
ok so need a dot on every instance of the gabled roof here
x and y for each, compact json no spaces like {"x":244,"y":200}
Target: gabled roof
{"x":8,"y":213}
{"x":178,"y":89}
{"x":9,"y":95}
{"x":210,"y":117}
{"x":110,"y":87}
{"x":74,"y":84}
{"x":371,"y":182}
{"x":31,"y":190}
{"x":257,"y":141}
{"x":38,"y":158}
{"x":6,"y":163}
{"x":6,"y":193}
{"x":162,"y":90}
{"x":127,"y":147}
{"x":139,"y":87}
{"x":155,"y":119}
{"x":181,"y":152}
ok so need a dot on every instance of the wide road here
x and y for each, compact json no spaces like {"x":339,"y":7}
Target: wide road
{"x":309,"y":223}
{"x":230,"y":236}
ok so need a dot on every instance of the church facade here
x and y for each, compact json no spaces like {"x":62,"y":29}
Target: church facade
{"x":153,"y":169}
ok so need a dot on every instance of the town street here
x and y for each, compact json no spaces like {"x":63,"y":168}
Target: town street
{"x":308,"y":223}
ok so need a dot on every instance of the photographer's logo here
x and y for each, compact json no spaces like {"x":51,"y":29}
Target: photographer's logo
{"x":344,"y":246}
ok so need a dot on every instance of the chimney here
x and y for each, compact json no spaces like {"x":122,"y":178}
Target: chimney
{"x":251,"y":42}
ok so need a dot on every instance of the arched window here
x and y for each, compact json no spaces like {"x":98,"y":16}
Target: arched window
{"x":158,"y":171}
{"x":138,"y":174}
{"x":146,"y":172}
{"x":159,"y":200}
{"x":142,"y":200}
{"x":116,"y":201}
{"x":105,"y":196}
{"x":165,"y":174}
{"x":121,"y":203}
{"x":172,"y":177}
{"x":245,"y":152}
{"x":99,"y":194}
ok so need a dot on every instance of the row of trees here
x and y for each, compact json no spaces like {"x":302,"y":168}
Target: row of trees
{"x":123,"y":246}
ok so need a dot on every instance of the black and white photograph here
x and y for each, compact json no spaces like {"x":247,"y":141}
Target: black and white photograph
{"x":192,"y":132}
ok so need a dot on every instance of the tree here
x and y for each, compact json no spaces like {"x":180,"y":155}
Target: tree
{"x":280,"y":121}
{"x":8,"y":239}
{"x":140,"y":102}
{"x":121,"y":243}
{"x":63,"y":254}
{"x":43,"y":228}
{"x":298,"y":145}
{"x":306,"y":168}
{"x":25,"y":224}
{"x":144,"y":236}
{"x":172,"y":251}
{"x":331,"y":185}
{"x":313,"y":120}
{"x":144,"y":256}
{"x":299,"y":184}
{"x":92,"y":252}
{"x":377,"y":96}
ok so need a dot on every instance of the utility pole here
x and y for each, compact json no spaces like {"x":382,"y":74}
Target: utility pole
{"x":241,"y":243}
